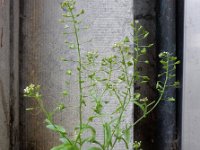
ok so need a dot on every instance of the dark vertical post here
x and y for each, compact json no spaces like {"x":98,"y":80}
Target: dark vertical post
{"x":166,"y":40}
{"x":144,"y":12}
{"x":180,"y":39}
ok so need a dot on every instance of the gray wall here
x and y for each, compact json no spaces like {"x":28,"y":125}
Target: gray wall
{"x":191,"y":74}
{"x":41,"y":49}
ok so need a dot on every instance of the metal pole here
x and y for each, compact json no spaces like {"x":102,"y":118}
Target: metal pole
{"x":180,"y":38}
{"x":166,"y":41}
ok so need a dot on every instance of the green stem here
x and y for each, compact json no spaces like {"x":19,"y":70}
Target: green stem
{"x":79,"y":76}
{"x":125,"y":103}
{"x":49,"y":117}
{"x":160,"y":97}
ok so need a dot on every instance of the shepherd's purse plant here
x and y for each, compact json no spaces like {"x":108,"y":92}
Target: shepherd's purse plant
{"x":100,"y":79}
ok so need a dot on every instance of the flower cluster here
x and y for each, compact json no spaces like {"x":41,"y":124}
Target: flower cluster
{"x":32,"y":91}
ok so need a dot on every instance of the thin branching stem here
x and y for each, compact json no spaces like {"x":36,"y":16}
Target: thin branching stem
{"x":79,"y":76}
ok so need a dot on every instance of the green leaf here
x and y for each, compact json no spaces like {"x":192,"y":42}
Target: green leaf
{"x":72,"y":46}
{"x":56,"y":128}
{"x":139,"y":105}
{"x":82,"y":11}
{"x":176,"y":84}
{"x":137,"y":96}
{"x":107,"y":135}
{"x":85,"y":128}
{"x":91,"y":118}
{"x":127,"y":134}
{"x":173,"y":58}
{"x":118,"y":133}
{"x":163,"y":54}
{"x":98,"y":108}
{"x":82,"y":81}
{"x":122,"y":77}
{"x":126,"y":39}
{"x":137,"y":145}
{"x":65,"y":93}
{"x":47,"y":121}
{"x":143,"y":51}
{"x":172,"y":75}
{"x":91,"y":76}
{"x":159,"y":86}
{"x":150,"y":45}
{"x":171,"y":99}
{"x":63,"y":140}
{"x":69,"y":72}
{"x":146,"y":34}
{"x":163,"y":62}
{"x":61,"y":106}
{"x":146,"y":78}
{"x":178,"y":62}
{"x":129,"y":63}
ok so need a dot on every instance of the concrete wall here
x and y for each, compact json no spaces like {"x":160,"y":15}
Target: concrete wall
{"x":191,"y":74}
{"x":41,"y":49}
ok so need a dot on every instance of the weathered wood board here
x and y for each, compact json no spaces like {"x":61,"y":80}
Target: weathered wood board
{"x":9,"y":29}
{"x":42,"y":49}
{"x":4,"y":74}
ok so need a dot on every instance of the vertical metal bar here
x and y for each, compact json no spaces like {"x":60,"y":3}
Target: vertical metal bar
{"x":179,"y":72}
{"x":166,"y":112}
